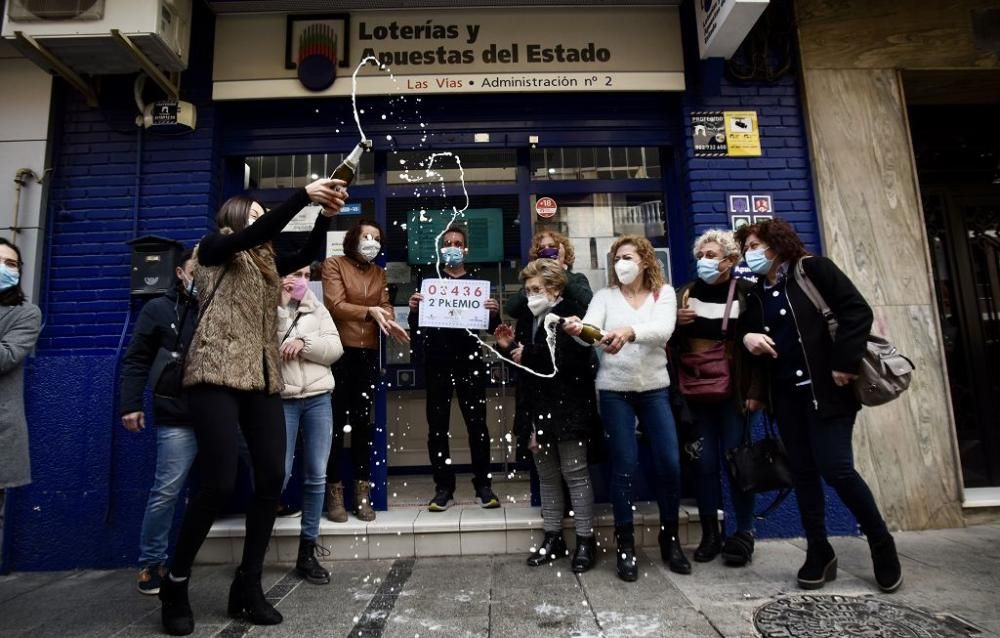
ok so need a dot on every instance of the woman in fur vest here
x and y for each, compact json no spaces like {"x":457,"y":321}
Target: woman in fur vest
{"x":233,"y":380}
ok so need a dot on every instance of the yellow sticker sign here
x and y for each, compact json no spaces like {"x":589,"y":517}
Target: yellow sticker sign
{"x":742,"y":134}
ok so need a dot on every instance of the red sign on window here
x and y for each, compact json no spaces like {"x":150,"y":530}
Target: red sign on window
{"x":546,"y":207}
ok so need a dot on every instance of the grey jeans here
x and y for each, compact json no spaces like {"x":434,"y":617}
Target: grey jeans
{"x":566,"y":461}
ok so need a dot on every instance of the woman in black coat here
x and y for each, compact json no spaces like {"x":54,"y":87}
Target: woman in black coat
{"x":809,"y":377}
{"x":556,"y":415}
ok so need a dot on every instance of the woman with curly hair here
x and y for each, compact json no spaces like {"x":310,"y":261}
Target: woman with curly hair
{"x":551,"y":244}
{"x":637,"y":314}
{"x":808,"y":378}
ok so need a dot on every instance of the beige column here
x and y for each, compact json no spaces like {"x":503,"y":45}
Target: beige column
{"x":873,"y":227}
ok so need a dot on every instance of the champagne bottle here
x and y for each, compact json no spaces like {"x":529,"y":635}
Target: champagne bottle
{"x":348,"y":169}
{"x":590,"y":334}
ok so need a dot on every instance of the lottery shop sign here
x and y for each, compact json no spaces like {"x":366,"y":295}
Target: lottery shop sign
{"x":454,"y":303}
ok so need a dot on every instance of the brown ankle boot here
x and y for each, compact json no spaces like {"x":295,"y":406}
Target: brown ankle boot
{"x":362,"y":502}
{"x":335,"y":503}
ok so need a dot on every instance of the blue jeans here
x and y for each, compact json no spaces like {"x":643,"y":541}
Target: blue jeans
{"x":721,"y":428}
{"x":314,"y":416}
{"x":176,"y":449}
{"x":619,"y":411}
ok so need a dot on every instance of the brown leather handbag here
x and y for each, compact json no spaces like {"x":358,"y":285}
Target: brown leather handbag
{"x":706,"y":375}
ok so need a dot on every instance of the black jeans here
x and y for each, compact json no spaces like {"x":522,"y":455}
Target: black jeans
{"x":469,"y":383}
{"x":820,"y":447}
{"x":218,"y":414}
{"x":355,"y":379}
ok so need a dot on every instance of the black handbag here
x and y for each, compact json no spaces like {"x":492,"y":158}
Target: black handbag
{"x":759,"y":466}
{"x":168,"y":367}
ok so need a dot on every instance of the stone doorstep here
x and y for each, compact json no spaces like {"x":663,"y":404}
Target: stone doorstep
{"x":416,"y":532}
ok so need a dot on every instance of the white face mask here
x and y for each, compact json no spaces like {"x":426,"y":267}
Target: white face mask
{"x":539,"y":303}
{"x":627,"y":270}
{"x":369,"y":248}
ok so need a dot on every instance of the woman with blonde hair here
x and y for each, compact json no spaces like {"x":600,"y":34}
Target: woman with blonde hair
{"x":636,"y":315}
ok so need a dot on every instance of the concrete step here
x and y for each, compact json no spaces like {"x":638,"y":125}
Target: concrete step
{"x":463,"y":530}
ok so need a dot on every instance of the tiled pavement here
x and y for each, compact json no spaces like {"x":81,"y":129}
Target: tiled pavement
{"x":954,"y":572}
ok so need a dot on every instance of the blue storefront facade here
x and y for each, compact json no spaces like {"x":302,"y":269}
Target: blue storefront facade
{"x":112,"y":182}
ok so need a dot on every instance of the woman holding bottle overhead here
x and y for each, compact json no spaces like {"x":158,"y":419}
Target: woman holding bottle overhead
{"x":355,"y":293}
{"x":631,"y":322}
{"x":233,"y":379}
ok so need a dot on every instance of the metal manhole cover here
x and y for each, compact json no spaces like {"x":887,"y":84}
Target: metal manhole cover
{"x":843,"y":616}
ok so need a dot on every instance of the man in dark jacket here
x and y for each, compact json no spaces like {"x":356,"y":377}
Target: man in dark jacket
{"x":454,"y":364}
{"x":156,"y":333}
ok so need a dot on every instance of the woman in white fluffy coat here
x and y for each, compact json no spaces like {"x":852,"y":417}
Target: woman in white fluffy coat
{"x":309,"y":344}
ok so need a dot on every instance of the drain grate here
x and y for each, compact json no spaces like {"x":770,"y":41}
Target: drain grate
{"x":809,"y":616}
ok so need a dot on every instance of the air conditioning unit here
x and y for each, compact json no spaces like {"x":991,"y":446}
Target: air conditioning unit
{"x":78,"y":32}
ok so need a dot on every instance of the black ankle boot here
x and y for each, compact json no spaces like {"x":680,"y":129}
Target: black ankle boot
{"x":711,"y":541}
{"x":627,"y":566}
{"x":247,"y":597}
{"x":307,"y":566}
{"x":670,"y":549}
{"x":176,"y":614}
{"x":553,"y":546}
{"x":820,"y":566}
{"x":888,"y":573}
{"x":737,"y":551}
{"x":585,"y":554}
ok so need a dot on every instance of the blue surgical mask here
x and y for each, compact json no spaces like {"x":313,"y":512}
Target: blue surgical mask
{"x":8,"y":277}
{"x":708,"y":270}
{"x":452,"y":255}
{"x":758,"y":262}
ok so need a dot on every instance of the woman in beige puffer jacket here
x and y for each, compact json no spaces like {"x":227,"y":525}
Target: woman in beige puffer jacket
{"x":309,"y":344}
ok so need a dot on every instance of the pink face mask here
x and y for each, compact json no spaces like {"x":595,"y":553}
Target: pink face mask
{"x":299,"y":288}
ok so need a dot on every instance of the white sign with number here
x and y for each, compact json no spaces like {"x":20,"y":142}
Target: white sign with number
{"x":455,"y":303}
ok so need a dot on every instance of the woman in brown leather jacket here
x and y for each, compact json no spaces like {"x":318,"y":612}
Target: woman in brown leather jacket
{"x":355,"y":293}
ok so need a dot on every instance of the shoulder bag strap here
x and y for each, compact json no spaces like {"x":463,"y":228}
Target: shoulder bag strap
{"x":291,"y":327}
{"x":778,"y":500}
{"x":729,"y":305}
{"x":211,"y":295}
{"x":180,"y":326}
{"x":810,"y":291}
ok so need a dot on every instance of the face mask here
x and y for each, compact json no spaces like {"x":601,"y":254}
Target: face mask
{"x":192,"y":290}
{"x":548,"y":253}
{"x":452,"y":255}
{"x":369,"y":248}
{"x":758,"y":261}
{"x":8,"y":277}
{"x":539,"y":303}
{"x":299,"y":288}
{"x":708,"y":270}
{"x":627,"y":270}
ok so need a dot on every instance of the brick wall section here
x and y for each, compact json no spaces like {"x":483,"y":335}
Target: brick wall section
{"x":92,"y":193}
{"x":92,"y":199}
{"x":90,"y":477}
{"x":783,"y":169}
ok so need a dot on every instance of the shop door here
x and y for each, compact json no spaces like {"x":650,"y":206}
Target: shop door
{"x":417,"y":205}
{"x":963,"y":226}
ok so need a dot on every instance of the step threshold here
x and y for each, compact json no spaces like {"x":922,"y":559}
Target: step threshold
{"x":462,"y":530}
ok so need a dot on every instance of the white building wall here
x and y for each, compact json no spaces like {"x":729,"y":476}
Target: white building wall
{"x":25,"y":102}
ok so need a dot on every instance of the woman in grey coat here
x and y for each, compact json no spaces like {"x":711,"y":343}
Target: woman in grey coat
{"x":20,"y":323}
